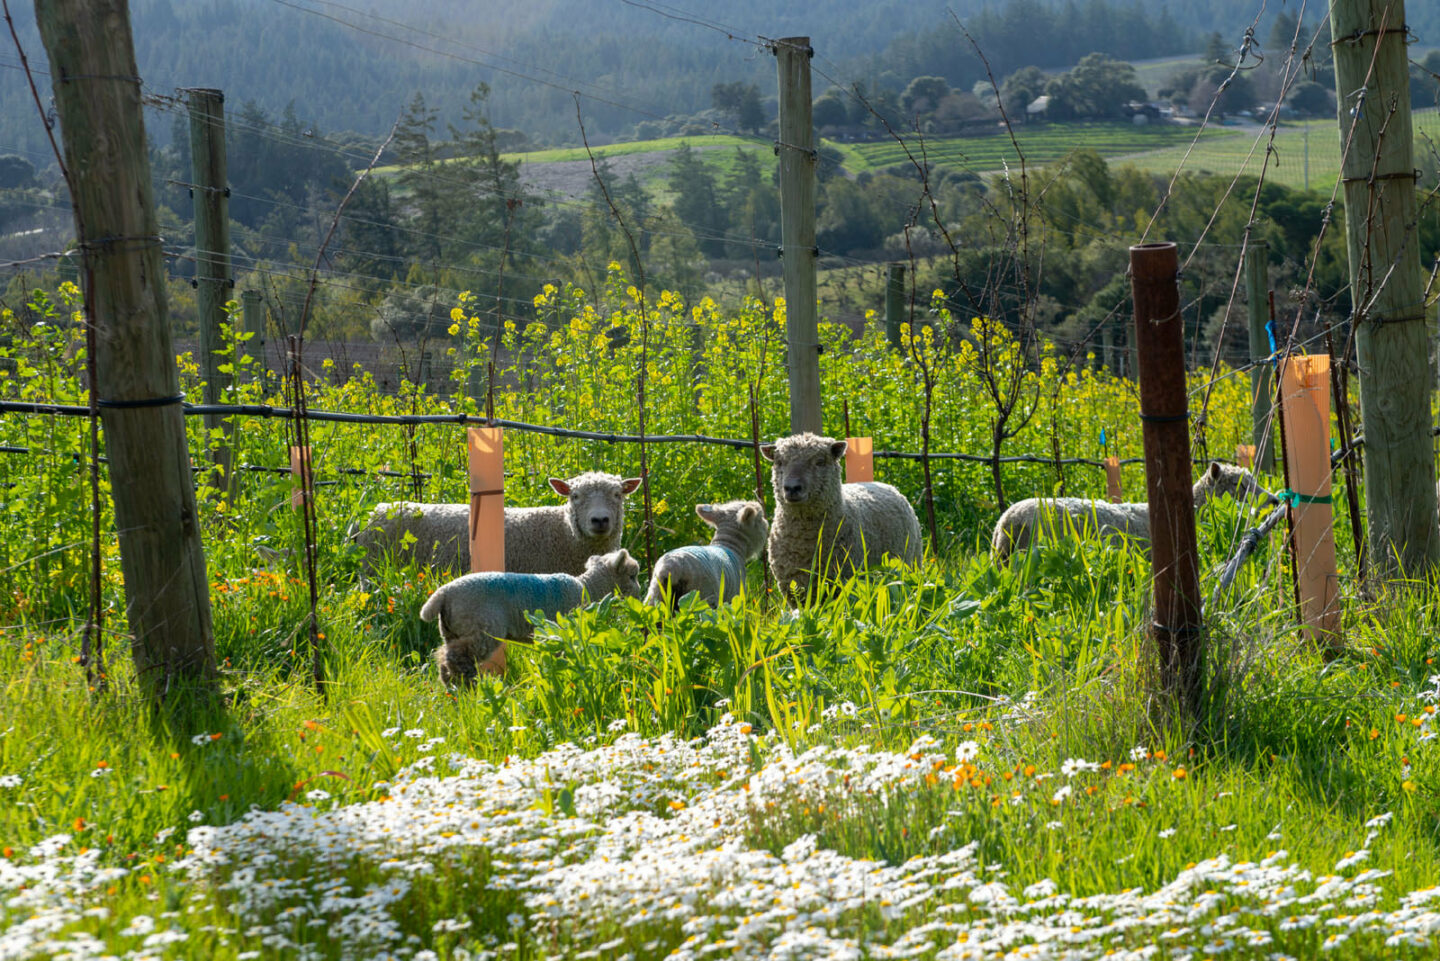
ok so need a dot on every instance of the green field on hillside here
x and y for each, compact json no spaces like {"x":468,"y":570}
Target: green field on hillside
{"x":1040,"y":144}
{"x":1307,"y":153}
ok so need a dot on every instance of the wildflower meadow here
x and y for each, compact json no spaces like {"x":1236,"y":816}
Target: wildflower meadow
{"x":957,"y":759}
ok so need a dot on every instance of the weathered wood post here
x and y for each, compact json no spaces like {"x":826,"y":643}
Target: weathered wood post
{"x":253,"y":317}
{"x":1160,"y":363}
{"x":1372,"y":82}
{"x":1257,"y":290}
{"x":97,"y":97}
{"x":212,"y":256}
{"x":796,"y":150}
{"x":895,"y":305}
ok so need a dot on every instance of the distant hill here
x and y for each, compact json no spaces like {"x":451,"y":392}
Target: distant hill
{"x":354,"y":65}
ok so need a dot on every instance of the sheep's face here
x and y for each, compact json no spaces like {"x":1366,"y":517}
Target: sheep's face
{"x":803,"y":467}
{"x":596,"y":502}
{"x":745,"y":520}
{"x":621,"y":568}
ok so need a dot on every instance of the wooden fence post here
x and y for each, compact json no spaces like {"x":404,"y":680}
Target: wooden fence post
{"x":253,"y":317}
{"x":304,"y":477}
{"x":1257,"y":289}
{"x":798,"y":158}
{"x":97,"y":88}
{"x":1160,"y":362}
{"x":212,"y":256}
{"x":859,"y":460}
{"x":485,"y":451}
{"x":1305,"y":383}
{"x":1372,"y":84}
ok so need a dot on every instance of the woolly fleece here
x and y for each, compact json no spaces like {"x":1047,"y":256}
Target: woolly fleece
{"x":851,"y":525}
{"x":538,"y":540}
{"x":476,"y":612}
{"x":716,"y":572}
{"x":1025,"y":522}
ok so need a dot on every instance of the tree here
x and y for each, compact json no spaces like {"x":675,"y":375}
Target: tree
{"x":411,"y":315}
{"x":741,"y":101}
{"x":1215,"y":49}
{"x":1020,"y":89}
{"x":430,"y":210}
{"x":829,"y":109}
{"x":1310,"y":99}
{"x":496,"y":218}
{"x":1425,"y":81}
{"x":697,"y":203}
{"x":1284,"y":33}
{"x":16,"y":172}
{"x":1099,"y":86}
{"x":923,"y":95}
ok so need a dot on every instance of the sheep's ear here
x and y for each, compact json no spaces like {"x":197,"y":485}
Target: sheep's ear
{"x":629,"y":484}
{"x":748,"y":512}
{"x":767,"y":451}
{"x":625,"y":564}
{"x":706,"y":513}
{"x":838,"y":449}
{"x":1214,"y":470}
{"x":559,"y":487}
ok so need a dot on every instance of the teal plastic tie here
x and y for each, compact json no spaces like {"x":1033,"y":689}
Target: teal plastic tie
{"x":1295,"y":498}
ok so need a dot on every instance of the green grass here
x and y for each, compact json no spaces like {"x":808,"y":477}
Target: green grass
{"x":1041,"y":144}
{"x":1307,"y":152}
{"x":865,"y":769}
{"x":1294,"y":756}
{"x":571,"y":154}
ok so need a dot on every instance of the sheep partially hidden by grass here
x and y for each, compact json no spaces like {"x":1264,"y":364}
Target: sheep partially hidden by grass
{"x":716,"y":572}
{"x":538,"y":540}
{"x":478,"y":612}
{"x":826,"y":527}
{"x":1025,"y":522}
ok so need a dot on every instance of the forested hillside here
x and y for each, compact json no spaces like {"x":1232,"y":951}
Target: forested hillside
{"x":354,"y":67}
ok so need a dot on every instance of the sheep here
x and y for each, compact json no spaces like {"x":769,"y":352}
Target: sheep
{"x":826,"y":527}
{"x":477,"y":612}
{"x":556,"y":539}
{"x":715,"y":572}
{"x":1024,"y":522}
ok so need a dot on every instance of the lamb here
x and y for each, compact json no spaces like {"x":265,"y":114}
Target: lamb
{"x":817,"y":517}
{"x":716,"y":572}
{"x":478,"y":612}
{"x":538,"y":540}
{"x":1024,"y":522}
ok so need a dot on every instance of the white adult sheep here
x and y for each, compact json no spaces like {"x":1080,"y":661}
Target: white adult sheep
{"x":555,"y":539}
{"x":478,"y":612}
{"x":717,"y":571}
{"x":828,"y":527}
{"x":1025,"y":522}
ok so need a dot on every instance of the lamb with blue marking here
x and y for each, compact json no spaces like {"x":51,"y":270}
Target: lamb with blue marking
{"x":716,"y":571}
{"x":478,"y":612}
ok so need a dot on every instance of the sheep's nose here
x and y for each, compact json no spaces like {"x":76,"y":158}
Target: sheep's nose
{"x":793,"y":491}
{"x":600,"y":525}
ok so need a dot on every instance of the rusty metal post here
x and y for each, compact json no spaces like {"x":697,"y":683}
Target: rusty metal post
{"x":1160,"y":362}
